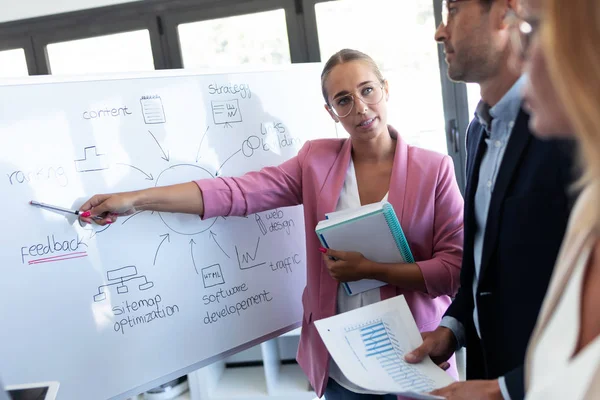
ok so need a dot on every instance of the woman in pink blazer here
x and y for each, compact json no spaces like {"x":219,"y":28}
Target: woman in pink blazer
{"x":332,"y":174}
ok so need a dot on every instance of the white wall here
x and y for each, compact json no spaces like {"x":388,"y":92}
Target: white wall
{"x":11,"y":10}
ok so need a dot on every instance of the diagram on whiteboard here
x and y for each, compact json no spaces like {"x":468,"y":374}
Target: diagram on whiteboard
{"x":226,"y":112}
{"x":247,"y":255}
{"x":184,"y":224}
{"x":212,"y":276}
{"x":91,"y":161}
{"x":153,"y":110}
{"x":120,"y":278}
{"x":247,"y":259}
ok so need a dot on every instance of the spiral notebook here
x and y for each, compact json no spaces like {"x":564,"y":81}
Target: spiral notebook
{"x":373,"y":230}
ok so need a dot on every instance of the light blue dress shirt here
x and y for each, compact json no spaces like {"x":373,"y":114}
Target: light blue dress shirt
{"x":502,"y":118}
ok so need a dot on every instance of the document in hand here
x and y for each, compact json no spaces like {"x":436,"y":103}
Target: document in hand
{"x":372,"y":230}
{"x":369,"y":343}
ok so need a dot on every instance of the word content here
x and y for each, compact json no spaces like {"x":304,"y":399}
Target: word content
{"x":107,"y":112}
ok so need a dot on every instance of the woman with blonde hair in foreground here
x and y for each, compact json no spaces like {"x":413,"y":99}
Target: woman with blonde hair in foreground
{"x":563,"y":358}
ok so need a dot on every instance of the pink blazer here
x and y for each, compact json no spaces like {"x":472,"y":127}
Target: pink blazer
{"x":424,"y":194}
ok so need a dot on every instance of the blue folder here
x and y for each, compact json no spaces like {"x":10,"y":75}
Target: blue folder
{"x":373,"y":230}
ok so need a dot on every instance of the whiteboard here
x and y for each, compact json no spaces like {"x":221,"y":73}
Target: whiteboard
{"x":109,"y":312}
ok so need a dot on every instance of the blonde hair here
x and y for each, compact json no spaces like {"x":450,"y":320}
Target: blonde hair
{"x":341,"y":57}
{"x":571,"y":35}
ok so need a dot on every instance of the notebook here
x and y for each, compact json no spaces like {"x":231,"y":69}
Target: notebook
{"x":373,"y":230}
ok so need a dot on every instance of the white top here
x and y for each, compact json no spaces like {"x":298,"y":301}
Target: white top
{"x":349,"y":198}
{"x":555,"y":374}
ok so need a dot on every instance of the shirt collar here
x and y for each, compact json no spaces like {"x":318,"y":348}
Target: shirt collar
{"x":482,"y":113}
{"x":509,"y":105}
{"x":506,"y":109}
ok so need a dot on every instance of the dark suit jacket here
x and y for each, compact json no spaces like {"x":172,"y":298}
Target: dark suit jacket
{"x":526,"y":222}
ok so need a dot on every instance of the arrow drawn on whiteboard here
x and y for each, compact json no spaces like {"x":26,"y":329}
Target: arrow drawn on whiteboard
{"x":214,"y":237}
{"x":240,"y":216}
{"x":165,"y":155}
{"x":95,"y":232}
{"x":225,"y":162}
{"x":131,"y":216}
{"x":201,"y":140}
{"x":148,"y":177}
{"x":192,"y":243}
{"x":166,"y":236}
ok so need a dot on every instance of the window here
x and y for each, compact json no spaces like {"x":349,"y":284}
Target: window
{"x":13,"y":63}
{"x":399,"y":37}
{"x":259,"y":38}
{"x":473,"y":97}
{"x":120,"y":52}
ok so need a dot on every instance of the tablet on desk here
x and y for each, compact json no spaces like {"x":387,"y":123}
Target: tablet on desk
{"x":33,"y":391}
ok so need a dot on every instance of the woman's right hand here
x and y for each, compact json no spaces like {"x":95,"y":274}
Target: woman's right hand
{"x":105,"y":208}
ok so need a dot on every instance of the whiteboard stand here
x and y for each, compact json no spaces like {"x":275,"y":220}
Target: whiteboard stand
{"x":272,"y":380}
{"x":271,"y":364}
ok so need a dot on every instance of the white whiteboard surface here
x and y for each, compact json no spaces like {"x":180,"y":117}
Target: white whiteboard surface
{"x":111,"y":312}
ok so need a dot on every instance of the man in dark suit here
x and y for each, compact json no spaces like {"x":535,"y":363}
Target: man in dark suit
{"x":517,"y":203}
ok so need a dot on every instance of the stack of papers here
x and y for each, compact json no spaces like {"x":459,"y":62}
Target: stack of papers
{"x":369,"y":344}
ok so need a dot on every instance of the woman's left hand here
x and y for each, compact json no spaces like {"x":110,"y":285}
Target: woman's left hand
{"x":346,"y":266}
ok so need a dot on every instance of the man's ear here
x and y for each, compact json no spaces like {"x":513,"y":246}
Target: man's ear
{"x":516,"y":5}
{"x":506,"y":6}
{"x":331,"y":114}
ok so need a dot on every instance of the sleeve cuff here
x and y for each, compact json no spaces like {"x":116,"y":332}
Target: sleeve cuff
{"x":503,"y":388}
{"x":457,"y":329}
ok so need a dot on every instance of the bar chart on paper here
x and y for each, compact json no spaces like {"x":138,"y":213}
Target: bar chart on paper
{"x":368,"y":344}
{"x":381,"y":347}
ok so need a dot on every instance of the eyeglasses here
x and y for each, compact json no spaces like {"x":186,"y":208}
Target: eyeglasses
{"x":447,"y":12}
{"x":368,"y":94}
{"x":521,"y":32}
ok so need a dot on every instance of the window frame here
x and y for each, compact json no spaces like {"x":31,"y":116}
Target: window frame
{"x":27,"y":46}
{"x":206,"y":12}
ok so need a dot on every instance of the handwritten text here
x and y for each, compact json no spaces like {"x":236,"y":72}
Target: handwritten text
{"x":238,"y":308}
{"x":152,"y":310}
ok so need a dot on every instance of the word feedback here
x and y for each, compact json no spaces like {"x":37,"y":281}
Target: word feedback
{"x":51,"y":246}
